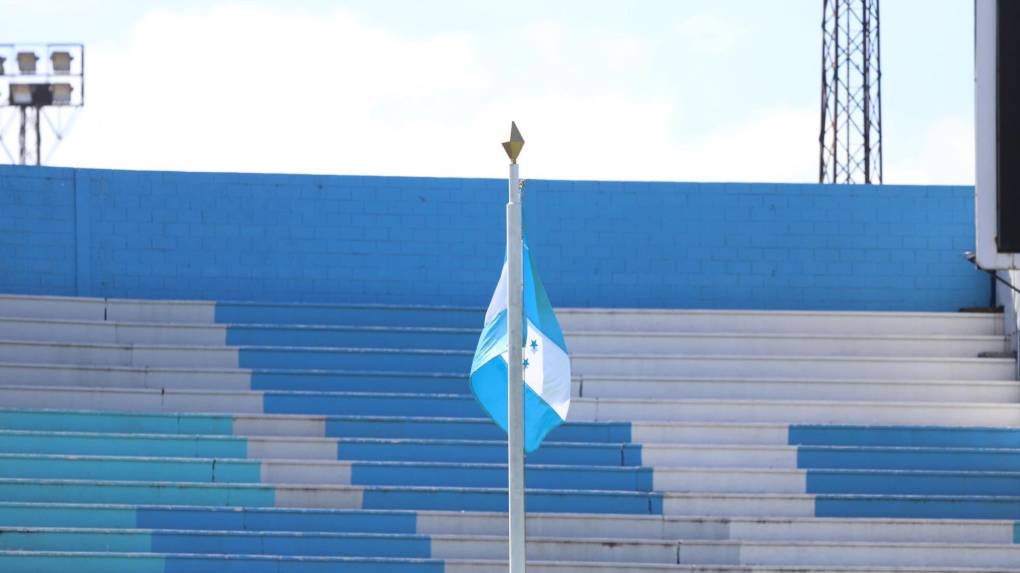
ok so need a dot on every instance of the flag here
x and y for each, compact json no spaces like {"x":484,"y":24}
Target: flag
{"x":546,"y":365}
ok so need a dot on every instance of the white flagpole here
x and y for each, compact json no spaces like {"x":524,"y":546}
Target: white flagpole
{"x":515,"y":381}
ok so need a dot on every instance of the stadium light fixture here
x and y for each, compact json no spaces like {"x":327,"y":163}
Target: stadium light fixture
{"x":21,"y":94}
{"x":45,"y":86}
{"x":61,"y":62}
{"x":61,"y":93}
{"x":26,"y":62}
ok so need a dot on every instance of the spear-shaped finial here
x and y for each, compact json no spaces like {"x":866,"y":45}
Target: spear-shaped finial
{"x":516,"y":143}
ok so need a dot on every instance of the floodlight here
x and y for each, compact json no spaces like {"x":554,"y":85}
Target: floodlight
{"x":21,"y":94}
{"x":61,"y":93}
{"x":26,"y":62}
{"x":61,"y":62}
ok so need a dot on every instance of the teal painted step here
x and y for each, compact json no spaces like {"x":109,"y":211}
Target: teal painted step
{"x":215,"y":542}
{"x":79,"y":562}
{"x":107,"y":516}
{"x":129,"y":468}
{"x":126,"y":492}
{"x":372,"y":497}
{"x":151,"y":445}
{"x":115,"y":422}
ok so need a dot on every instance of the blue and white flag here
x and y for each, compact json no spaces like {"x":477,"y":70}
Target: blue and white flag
{"x":546,"y":365}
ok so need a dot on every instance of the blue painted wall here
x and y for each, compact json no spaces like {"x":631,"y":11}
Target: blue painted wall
{"x":440,"y":241}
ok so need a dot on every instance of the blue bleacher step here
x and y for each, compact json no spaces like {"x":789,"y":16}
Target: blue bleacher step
{"x":321,"y":496}
{"x":349,"y":449}
{"x":433,"y":338}
{"x":907,"y":458}
{"x":912,"y":482}
{"x":218,"y":518}
{"x":349,"y":314}
{"x":395,"y":427}
{"x":369,"y":473}
{"x":905,"y":436}
{"x":282,"y":543}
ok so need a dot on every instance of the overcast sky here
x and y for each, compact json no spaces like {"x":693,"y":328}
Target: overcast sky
{"x":691,"y":90}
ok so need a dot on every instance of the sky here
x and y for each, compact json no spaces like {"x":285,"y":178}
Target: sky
{"x":676,"y":90}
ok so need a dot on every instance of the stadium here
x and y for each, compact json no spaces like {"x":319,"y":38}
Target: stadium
{"x":215,"y":371}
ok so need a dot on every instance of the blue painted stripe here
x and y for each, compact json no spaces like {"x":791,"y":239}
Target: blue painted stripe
{"x":495,"y":476}
{"x":352,"y":337}
{"x":815,"y":457}
{"x":913,"y":483}
{"x":933,"y":507}
{"x":371,"y":404}
{"x":348,"y":315}
{"x":906,"y":436}
{"x":338,"y":381}
{"x":453,"y":361}
{"x":488,"y":452}
{"x":496,"y":500}
{"x":469,"y":429}
{"x":286,"y":544}
{"x":52,"y":515}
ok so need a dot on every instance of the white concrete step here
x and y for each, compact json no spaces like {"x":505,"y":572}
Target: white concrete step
{"x":796,"y":412}
{"x":954,"y":531}
{"x":775,"y":344}
{"x":94,"y":354}
{"x":755,"y":344}
{"x":86,"y":308}
{"x":819,"y":367}
{"x":581,"y":410}
{"x":111,"y":332}
{"x":776,"y":321}
{"x":1001,"y":391}
{"x":996,"y":391}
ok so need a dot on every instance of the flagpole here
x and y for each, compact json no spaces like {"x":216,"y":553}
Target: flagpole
{"x":515,"y":377}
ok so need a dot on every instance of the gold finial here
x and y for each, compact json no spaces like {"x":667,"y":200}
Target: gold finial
{"x":516,"y":143}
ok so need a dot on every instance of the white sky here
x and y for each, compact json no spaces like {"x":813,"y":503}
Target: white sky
{"x":693,"y":90}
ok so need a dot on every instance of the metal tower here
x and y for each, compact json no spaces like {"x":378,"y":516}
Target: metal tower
{"x":850,"y":140}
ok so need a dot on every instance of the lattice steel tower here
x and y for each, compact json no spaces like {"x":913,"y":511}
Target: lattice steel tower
{"x":850,"y":141}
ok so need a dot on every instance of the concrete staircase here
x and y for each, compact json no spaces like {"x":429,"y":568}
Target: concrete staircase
{"x":197,"y":436}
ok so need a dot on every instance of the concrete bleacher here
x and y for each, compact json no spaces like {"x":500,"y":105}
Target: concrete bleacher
{"x":141,"y":435}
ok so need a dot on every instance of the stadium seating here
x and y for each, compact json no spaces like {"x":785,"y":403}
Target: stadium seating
{"x":191,"y":436}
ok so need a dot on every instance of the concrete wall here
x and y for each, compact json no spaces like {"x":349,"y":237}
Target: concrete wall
{"x":440,"y":240}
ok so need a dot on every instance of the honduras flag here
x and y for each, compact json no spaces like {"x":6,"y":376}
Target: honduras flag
{"x":546,"y":365}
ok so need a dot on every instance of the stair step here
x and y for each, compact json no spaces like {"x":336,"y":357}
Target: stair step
{"x":621,"y":526}
{"x":412,"y":337}
{"x":581,"y":409}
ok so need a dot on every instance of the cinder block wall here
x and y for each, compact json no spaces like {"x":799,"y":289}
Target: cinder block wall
{"x":440,"y":241}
